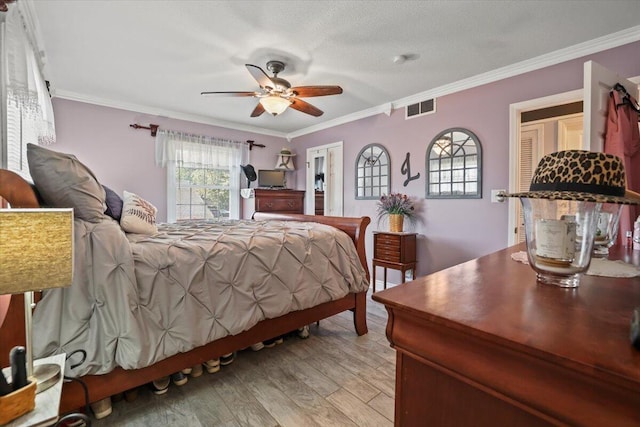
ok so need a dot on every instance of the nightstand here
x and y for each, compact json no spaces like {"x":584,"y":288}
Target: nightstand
{"x":47,"y":403}
{"x":394,"y":250}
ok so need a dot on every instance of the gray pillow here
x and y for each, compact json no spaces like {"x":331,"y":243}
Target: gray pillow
{"x":64,"y":182}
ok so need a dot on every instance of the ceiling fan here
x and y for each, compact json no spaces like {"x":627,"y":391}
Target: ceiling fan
{"x":276,"y":94}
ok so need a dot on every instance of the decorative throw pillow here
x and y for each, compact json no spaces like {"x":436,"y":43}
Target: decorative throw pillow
{"x":138,"y":215}
{"x":114,"y":204}
{"x":64,"y":182}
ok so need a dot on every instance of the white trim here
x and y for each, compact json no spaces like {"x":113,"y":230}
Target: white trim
{"x":515,"y":110}
{"x":599,"y":44}
{"x":72,"y":96}
{"x":609,"y":41}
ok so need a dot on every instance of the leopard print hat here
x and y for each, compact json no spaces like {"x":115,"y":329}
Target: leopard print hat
{"x":580,"y":175}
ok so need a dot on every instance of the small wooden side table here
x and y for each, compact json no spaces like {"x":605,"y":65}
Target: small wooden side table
{"x":394,"y":250}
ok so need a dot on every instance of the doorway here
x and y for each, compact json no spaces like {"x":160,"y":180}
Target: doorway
{"x":324,"y":188}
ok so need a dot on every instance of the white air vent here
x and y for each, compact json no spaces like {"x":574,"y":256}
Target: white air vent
{"x":421,"y":108}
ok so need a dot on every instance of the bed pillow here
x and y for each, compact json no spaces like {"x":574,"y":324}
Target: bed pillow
{"x":64,"y":182}
{"x":114,"y":204}
{"x":138,"y":215}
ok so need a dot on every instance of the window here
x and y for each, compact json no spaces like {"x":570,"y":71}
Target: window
{"x":453,"y":164}
{"x":27,"y":113}
{"x":203,"y":175}
{"x":372,"y":172}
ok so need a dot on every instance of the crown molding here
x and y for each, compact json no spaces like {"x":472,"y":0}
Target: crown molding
{"x":72,"y":96}
{"x":590,"y":47}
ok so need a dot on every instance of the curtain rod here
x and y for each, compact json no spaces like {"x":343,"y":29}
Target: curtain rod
{"x":154,"y":130}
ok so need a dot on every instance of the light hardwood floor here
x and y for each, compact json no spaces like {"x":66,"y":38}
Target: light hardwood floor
{"x":333,"y":378}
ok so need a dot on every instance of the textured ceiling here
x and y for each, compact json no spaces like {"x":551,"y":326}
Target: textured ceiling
{"x":157,"y":56}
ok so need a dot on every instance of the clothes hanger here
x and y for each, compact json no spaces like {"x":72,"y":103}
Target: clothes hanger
{"x":627,"y":98}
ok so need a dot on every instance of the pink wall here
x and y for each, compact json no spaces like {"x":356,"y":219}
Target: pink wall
{"x":123,"y":158}
{"x":454,"y":231}
{"x":450,"y":231}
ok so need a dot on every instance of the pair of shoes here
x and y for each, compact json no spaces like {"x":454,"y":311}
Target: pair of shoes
{"x":102,"y":408}
{"x":196,"y":371}
{"x":303,"y":332}
{"x":179,"y":378}
{"x":257,"y":346}
{"x":161,"y":385}
{"x":227,"y":359}
{"x":272,"y":342}
{"x":212,"y":366}
{"x":187,"y":371}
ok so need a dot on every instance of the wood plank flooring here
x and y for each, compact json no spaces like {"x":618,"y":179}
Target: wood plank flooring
{"x":333,"y":378}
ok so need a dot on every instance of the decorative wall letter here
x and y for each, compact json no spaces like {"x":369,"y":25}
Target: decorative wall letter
{"x":406,"y":170}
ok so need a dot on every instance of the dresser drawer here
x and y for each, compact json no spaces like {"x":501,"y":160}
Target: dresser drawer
{"x":279,"y":201}
{"x":278,"y":205}
{"x":392,"y":255}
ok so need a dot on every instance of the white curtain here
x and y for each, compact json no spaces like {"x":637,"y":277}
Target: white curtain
{"x":196,"y":151}
{"x":28,"y":113}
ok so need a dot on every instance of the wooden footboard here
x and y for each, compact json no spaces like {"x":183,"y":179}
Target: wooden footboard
{"x":19,"y":193}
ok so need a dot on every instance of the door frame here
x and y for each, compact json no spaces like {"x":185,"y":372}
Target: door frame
{"x":334,"y":187}
{"x":515,"y":113}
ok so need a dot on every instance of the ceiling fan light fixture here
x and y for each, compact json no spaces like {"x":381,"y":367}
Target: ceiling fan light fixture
{"x":274,"y":104}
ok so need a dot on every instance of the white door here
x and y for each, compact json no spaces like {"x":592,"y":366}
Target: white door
{"x":531,"y":150}
{"x":325,"y":160}
{"x":598,"y":82}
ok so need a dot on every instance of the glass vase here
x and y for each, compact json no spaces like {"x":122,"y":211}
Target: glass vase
{"x":560,"y":236}
{"x":607,"y":229}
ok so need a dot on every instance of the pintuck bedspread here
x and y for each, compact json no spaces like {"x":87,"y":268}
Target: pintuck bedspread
{"x":138,"y":299}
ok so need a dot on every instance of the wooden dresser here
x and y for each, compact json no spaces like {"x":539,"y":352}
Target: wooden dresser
{"x":483,"y":344}
{"x":280,"y":201}
{"x":393,"y":250}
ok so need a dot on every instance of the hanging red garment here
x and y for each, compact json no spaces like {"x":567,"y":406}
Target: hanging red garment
{"x":622,"y":139}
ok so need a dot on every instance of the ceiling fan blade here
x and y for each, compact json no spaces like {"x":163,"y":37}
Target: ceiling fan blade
{"x":306,"y":91}
{"x":305,"y":107}
{"x":228,"y":93}
{"x":258,"y":110}
{"x":261,"y":77}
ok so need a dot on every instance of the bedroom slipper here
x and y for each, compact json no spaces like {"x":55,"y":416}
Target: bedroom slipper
{"x":257,"y":346}
{"x":227,"y":359}
{"x":212,"y":366}
{"x":102,"y":408}
{"x":272,"y":342}
{"x":179,"y":378}
{"x":196,"y":371}
{"x":303,"y":332}
{"x":161,"y":385}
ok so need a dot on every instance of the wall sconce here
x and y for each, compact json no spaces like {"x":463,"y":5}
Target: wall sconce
{"x":285,"y":160}
{"x":36,"y":253}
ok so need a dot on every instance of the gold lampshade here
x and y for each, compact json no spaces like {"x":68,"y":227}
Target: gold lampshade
{"x":36,"y":249}
{"x":36,"y":252}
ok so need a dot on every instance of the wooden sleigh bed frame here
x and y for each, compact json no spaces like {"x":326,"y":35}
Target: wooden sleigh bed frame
{"x":19,"y":194}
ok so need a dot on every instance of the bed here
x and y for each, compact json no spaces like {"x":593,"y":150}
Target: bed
{"x":156,"y":344}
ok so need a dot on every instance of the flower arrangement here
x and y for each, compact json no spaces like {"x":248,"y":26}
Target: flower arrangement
{"x":395,"y":203}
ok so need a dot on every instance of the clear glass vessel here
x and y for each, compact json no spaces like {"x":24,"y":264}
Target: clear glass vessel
{"x":560,"y":236}
{"x":607,"y":229}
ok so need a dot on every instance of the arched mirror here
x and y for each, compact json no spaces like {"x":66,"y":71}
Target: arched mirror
{"x":372,"y":172}
{"x":454,"y":165}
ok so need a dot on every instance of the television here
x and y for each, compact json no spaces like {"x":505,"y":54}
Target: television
{"x":271,"y":178}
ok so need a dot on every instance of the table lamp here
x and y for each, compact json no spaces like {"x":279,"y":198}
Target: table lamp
{"x":36,"y":253}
